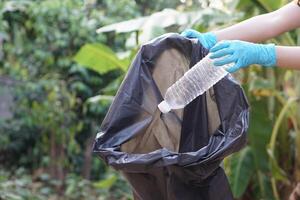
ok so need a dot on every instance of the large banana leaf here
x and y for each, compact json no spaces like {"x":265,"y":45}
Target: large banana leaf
{"x":166,"y":18}
{"x":100,"y":58}
{"x":153,"y":25}
{"x":241,"y":170}
{"x":259,"y":135}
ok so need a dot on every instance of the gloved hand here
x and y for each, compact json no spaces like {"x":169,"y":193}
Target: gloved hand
{"x":242,"y":54}
{"x":208,"y":40}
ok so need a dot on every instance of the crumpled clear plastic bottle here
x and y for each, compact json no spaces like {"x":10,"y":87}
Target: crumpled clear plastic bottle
{"x":195,"y":82}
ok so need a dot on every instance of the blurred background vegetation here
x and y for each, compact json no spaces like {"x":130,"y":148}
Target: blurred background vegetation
{"x":58,"y":76}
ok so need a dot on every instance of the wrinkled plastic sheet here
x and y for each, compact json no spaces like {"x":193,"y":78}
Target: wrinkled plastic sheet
{"x":176,"y":155}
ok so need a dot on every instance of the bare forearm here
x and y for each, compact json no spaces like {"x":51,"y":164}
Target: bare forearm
{"x":251,"y":30}
{"x":288,"y":57}
{"x":263,"y":27}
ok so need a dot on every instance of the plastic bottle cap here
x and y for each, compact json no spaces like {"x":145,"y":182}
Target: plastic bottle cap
{"x":164,"y":107}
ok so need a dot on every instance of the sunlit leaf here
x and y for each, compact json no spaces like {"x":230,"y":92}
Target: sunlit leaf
{"x":100,"y":58}
{"x":98,"y":98}
{"x":166,"y":18}
{"x":106,"y":183}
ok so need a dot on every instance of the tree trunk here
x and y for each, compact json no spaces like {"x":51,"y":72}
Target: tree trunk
{"x":86,"y":170}
{"x":57,"y":157}
{"x":52,"y":155}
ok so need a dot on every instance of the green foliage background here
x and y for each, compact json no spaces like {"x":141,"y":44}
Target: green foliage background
{"x":58,"y":77}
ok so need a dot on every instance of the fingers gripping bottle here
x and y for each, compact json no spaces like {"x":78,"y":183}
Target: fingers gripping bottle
{"x":195,"y":82}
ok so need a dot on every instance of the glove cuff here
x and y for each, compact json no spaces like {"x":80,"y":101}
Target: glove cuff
{"x":210,"y":40}
{"x":268,"y":55}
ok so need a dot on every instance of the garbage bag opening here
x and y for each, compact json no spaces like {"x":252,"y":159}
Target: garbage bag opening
{"x":164,"y":130}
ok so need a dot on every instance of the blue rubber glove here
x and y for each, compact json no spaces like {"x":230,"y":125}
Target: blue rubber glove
{"x":208,"y":40}
{"x":242,"y":54}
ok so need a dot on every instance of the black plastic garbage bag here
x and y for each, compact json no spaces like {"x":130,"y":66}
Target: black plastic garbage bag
{"x":173,"y":156}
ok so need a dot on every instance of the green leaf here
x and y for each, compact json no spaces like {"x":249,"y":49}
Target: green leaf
{"x":259,"y":135}
{"x":125,"y":26}
{"x":100,"y":58}
{"x":277,"y":172}
{"x":260,"y":127}
{"x":106,"y":183}
{"x":241,"y":171}
{"x":98,"y":98}
{"x":271,"y":5}
{"x":285,"y":110}
{"x":166,"y":18}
